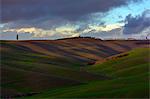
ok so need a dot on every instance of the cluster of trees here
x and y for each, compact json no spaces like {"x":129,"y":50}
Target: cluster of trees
{"x":79,"y":37}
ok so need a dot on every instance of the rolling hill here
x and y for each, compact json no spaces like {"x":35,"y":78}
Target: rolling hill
{"x":52,"y":68}
{"x":128,"y":80}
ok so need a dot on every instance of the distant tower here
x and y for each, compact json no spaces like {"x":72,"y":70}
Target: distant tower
{"x":17,"y":37}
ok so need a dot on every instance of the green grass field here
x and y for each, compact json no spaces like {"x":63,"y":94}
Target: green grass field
{"x":129,"y":79}
{"x":60,"y":69}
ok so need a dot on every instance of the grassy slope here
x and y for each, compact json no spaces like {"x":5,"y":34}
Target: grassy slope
{"x":26,"y":71}
{"x":129,"y":74}
{"x":36,"y":66}
{"x":135,"y":62}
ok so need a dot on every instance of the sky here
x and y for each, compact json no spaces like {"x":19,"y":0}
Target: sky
{"x":55,"y":19}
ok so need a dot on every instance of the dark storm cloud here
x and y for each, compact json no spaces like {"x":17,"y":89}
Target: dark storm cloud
{"x":44,"y":23}
{"x":135,"y":25}
{"x":69,"y":9}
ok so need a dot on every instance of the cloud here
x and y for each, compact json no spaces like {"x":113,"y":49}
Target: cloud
{"x":69,"y":18}
{"x":62,"y":31}
{"x":137,"y":24}
{"x":113,"y":34}
{"x":44,"y":23}
{"x":12,"y":36}
{"x":107,"y":28}
{"x":13,"y":10}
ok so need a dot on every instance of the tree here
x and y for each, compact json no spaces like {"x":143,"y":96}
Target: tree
{"x":17,"y":37}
